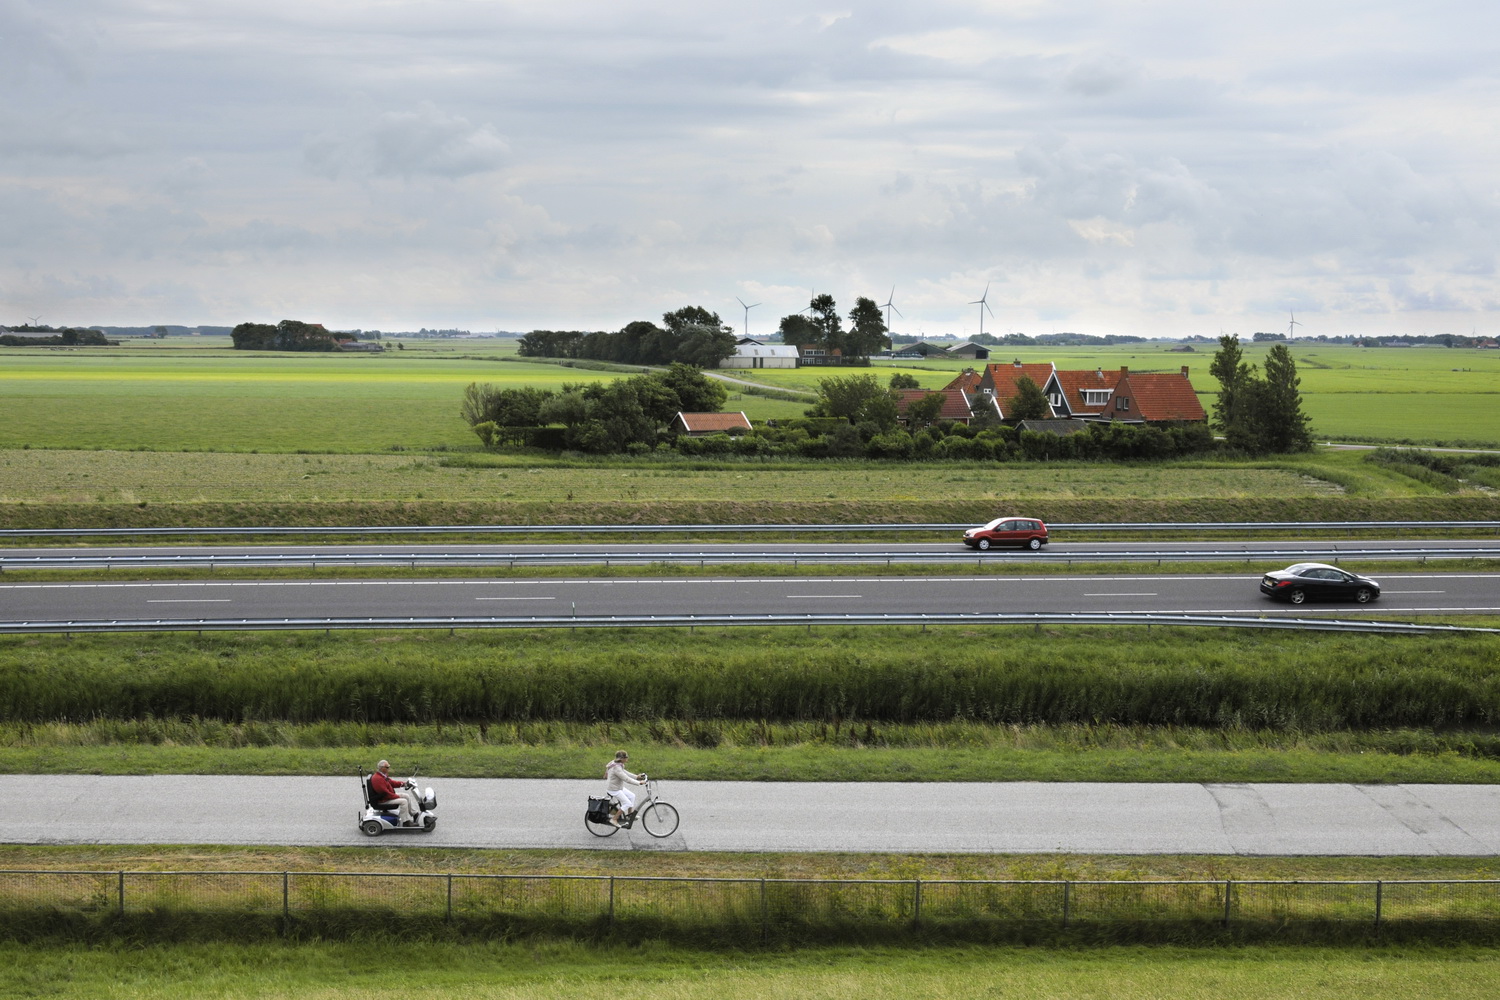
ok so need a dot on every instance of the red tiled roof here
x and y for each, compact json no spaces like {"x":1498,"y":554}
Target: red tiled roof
{"x":1002,"y":378}
{"x":967,"y":381}
{"x":1072,"y":383}
{"x":955,"y":406}
{"x":701,"y":423}
{"x":1158,"y":396}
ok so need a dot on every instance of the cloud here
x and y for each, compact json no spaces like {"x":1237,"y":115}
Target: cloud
{"x":422,"y":143}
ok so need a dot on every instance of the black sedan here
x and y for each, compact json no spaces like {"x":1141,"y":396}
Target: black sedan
{"x":1318,"y":582}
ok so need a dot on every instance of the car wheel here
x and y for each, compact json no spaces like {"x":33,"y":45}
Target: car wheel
{"x":1034,"y":544}
{"x":1297,"y":596}
{"x":984,"y":544}
{"x":1364,"y":595}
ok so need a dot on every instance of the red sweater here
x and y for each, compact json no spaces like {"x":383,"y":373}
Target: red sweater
{"x":383,"y":788}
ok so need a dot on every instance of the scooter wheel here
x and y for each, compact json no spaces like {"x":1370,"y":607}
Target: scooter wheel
{"x":429,"y":823}
{"x":371,"y":827}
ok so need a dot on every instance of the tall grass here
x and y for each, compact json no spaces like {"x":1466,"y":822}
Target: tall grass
{"x":992,"y":676}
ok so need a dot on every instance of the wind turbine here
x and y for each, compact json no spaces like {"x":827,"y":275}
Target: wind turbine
{"x":983,"y":304}
{"x":34,"y":320}
{"x":1291,"y":328}
{"x":890,"y":308}
{"x":747,"y":313}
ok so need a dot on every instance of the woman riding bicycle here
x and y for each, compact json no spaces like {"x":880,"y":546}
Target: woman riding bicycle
{"x":616,"y":777}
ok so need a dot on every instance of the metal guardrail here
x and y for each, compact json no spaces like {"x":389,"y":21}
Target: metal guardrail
{"x":778,"y":907}
{"x":453,"y":623}
{"x":166,"y":558}
{"x":710,"y":529}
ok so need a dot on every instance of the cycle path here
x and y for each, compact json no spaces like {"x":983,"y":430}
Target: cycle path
{"x":1007,"y":817}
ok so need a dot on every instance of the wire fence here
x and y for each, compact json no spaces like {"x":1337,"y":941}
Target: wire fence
{"x":747,"y":909}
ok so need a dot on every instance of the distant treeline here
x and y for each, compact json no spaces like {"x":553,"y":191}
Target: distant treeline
{"x":1041,"y":339}
{"x":288,"y":335}
{"x":64,"y":337}
{"x":691,"y":335}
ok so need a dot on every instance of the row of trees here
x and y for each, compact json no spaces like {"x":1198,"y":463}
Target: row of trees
{"x":288,"y":335}
{"x":1259,"y":414}
{"x":625,"y":415}
{"x":67,"y":336}
{"x":819,"y":326}
{"x":690,"y":335}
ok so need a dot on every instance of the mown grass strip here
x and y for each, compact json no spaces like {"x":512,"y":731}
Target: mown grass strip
{"x":812,"y":761}
{"x":737,"y":970}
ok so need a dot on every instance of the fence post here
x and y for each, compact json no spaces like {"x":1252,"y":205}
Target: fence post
{"x":122,"y":894}
{"x":1067,"y":900}
{"x":916,"y":912}
{"x":1379,"y":885}
{"x":611,"y":901}
{"x":286,"y":909}
{"x":765,"y":920}
{"x":1228,"y":890}
{"x":449,"y":916}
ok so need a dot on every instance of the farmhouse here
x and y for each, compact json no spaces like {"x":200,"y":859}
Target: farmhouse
{"x":703,"y":424}
{"x":958,"y":406}
{"x":750,"y":353}
{"x":1098,"y":395}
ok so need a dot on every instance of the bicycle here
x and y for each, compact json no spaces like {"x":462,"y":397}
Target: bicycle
{"x":657,"y":817}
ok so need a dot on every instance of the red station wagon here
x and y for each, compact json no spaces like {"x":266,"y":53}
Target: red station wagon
{"x":1008,"y":531}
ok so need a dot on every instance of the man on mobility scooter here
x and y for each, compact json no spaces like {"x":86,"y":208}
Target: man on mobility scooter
{"x":384,"y":795}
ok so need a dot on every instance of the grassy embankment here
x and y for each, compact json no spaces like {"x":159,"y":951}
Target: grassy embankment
{"x":500,"y":970}
{"x":834,"y":704}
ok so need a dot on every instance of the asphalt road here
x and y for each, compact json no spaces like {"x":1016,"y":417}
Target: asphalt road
{"x":1276,"y":819}
{"x":1403,"y":594}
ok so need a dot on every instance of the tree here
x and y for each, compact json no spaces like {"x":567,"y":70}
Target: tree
{"x":826,"y":318}
{"x":1279,"y":418}
{"x":867,"y":332}
{"x":696,"y":392}
{"x":1232,"y":408}
{"x":854,"y":398}
{"x":901,"y":380}
{"x":1259,"y":415}
{"x":797,"y":329}
{"x":924,"y":411}
{"x":1030,"y":403}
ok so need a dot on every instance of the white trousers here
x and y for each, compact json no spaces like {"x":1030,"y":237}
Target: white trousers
{"x":408,"y":806}
{"x":624,"y":798}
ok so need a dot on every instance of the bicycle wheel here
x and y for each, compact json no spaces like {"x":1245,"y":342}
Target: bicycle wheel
{"x":600,"y":829}
{"x":660,"y":819}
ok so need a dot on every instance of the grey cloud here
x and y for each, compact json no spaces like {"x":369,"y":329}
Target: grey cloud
{"x":422,"y":143}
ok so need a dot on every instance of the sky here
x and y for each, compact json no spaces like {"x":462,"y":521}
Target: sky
{"x":1150,"y":167}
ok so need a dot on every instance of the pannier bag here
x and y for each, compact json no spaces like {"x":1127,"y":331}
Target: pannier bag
{"x":598,"y":811}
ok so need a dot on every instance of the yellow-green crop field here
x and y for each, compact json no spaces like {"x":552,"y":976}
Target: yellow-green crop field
{"x":201,"y":396}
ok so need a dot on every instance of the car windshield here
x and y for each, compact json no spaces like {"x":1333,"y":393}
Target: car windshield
{"x":991,"y":526}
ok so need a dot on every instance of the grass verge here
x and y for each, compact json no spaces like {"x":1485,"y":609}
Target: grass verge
{"x":1294,"y":760}
{"x":543,"y":971}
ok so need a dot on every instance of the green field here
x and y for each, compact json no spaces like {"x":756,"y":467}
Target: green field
{"x":197,"y":395}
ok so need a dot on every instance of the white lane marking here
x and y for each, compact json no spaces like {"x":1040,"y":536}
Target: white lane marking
{"x":1416,"y":591}
{"x":825,"y":597}
{"x":189,"y":600}
{"x":1121,"y":593}
{"x":515,"y":598}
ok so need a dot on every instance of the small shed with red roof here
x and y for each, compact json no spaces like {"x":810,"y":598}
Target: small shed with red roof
{"x":702,"y":424}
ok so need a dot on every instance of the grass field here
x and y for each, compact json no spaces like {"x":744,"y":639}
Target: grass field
{"x":503,"y":971}
{"x":196,"y":395}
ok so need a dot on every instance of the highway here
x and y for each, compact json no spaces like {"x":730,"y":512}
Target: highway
{"x":998,"y":818}
{"x":1435,"y":593}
